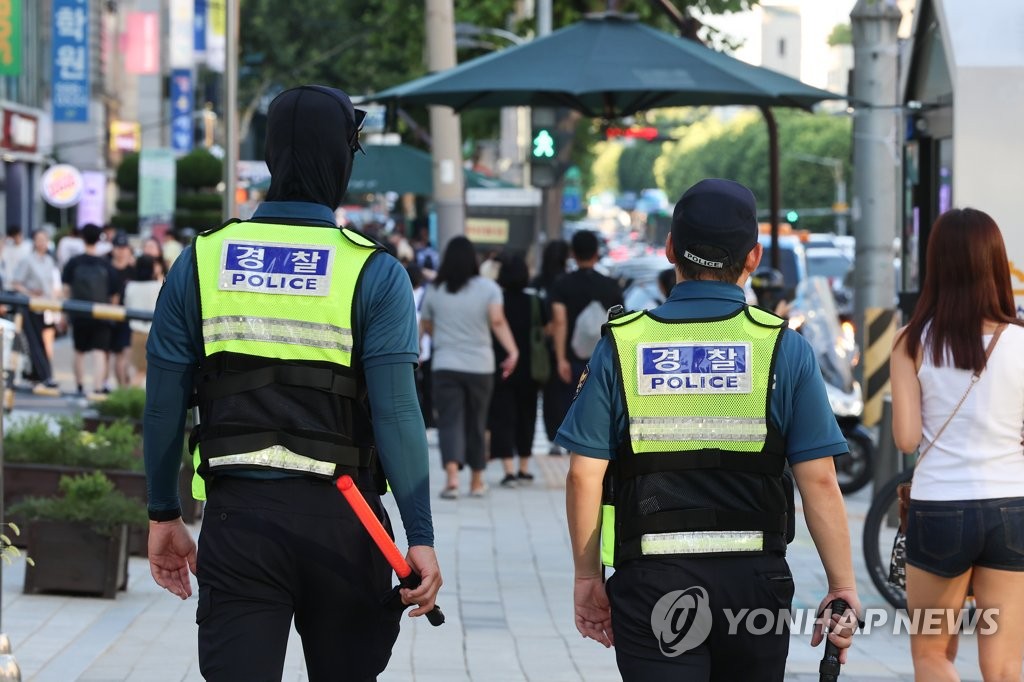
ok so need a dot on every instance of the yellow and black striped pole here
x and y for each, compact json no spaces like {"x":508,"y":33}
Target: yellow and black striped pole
{"x":879,"y":331}
{"x":75,"y":308}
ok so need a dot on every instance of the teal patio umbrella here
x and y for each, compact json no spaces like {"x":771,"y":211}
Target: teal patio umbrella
{"x":610,"y":65}
{"x":607,"y":65}
{"x":399,"y":168}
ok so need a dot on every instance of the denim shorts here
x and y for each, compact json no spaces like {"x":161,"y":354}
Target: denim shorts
{"x":949,"y":537}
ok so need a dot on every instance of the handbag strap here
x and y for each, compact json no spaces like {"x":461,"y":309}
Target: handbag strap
{"x":974,"y":379}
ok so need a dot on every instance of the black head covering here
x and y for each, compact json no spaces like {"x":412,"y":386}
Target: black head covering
{"x":312,"y":137}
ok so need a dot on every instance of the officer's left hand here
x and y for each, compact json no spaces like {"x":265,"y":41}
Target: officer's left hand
{"x":423,"y":560}
{"x":841,"y":626}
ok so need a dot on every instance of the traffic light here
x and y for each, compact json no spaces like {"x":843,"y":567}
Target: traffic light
{"x":543,"y":147}
{"x":792,"y":217}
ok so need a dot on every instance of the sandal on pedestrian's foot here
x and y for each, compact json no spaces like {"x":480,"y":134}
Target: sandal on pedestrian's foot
{"x":479,"y":492}
{"x":450,"y":493}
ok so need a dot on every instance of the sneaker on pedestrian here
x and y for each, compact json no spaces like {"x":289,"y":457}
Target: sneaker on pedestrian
{"x":509,"y":481}
{"x":451,"y":493}
{"x":525,"y":477}
{"x":479,"y":492}
{"x":555,"y":450}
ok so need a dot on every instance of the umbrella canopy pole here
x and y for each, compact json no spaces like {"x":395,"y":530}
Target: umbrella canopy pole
{"x":774,"y":200}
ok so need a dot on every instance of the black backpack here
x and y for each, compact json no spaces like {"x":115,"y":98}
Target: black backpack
{"x":90,"y":281}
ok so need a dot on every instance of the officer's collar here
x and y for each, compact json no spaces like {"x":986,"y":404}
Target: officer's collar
{"x":692,"y":289}
{"x":305,"y":211}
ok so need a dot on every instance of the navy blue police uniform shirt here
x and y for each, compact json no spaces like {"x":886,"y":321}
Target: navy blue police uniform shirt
{"x":387,"y":336}
{"x":595,"y":424}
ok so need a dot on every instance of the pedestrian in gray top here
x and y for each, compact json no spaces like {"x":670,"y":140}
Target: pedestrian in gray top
{"x":460,"y":311}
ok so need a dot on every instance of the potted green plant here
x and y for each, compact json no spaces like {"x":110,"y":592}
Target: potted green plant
{"x":122,"y":403}
{"x":79,"y":539}
{"x":39,"y":450}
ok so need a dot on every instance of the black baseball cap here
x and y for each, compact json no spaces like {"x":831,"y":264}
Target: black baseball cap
{"x":717,"y":214}
{"x":121,"y":239}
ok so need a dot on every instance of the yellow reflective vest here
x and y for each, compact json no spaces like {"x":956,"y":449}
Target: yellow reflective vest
{"x":277,"y":387}
{"x":700,"y":472}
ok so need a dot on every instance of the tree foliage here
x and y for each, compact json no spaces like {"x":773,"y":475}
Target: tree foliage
{"x":342,"y":43}
{"x":739,"y":150}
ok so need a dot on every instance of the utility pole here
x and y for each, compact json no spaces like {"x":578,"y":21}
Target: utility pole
{"x":877,"y":168}
{"x":551,"y":197}
{"x":231,"y":110}
{"x":444,"y":128}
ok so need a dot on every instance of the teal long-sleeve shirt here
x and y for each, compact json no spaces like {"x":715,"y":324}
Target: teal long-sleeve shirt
{"x":386,"y":340}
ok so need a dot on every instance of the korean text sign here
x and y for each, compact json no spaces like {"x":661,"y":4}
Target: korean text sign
{"x":70,"y":61}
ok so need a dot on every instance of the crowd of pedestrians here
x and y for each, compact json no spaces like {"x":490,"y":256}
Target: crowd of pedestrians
{"x":483,"y":319}
{"x":92,"y":264}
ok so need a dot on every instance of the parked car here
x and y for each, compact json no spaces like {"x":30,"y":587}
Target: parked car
{"x":792,"y":262}
{"x":832,"y":264}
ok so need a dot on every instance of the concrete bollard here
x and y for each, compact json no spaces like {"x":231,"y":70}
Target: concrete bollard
{"x":887,"y":459}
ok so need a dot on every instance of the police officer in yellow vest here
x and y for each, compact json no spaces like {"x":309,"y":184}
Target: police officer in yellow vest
{"x":288,"y":334}
{"x":680,"y":433}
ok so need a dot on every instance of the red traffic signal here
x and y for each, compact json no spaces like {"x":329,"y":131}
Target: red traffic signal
{"x":648,"y":133}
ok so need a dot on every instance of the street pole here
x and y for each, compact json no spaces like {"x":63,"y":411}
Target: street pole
{"x":231,"y":110}
{"x":9,"y":670}
{"x":876,"y":179}
{"x":444,"y":128}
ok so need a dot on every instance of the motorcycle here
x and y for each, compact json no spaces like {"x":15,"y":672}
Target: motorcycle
{"x":813,"y":314}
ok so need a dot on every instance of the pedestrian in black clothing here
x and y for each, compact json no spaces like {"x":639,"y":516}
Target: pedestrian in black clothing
{"x":514,"y":401}
{"x":552,"y":266}
{"x":570,"y":297}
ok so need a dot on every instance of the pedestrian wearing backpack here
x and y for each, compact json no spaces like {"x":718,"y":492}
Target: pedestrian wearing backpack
{"x":572,"y":297}
{"x":90,"y":278}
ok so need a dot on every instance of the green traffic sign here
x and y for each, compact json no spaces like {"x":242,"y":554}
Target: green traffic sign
{"x":543,"y":145}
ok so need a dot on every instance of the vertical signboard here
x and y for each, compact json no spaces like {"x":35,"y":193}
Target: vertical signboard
{"x":182,"y":135}
{"x":10,"y":37}
{"x":216,"y":35}
{"x":156,"y":190}
{"x":92,"y":206}
{"x":70,"y":61}
{"x":142,"y":44}
{"x":199,"y":40}
{"x":182,"y":33}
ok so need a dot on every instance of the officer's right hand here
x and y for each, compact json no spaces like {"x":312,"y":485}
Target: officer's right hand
{"x":593,"y":611}
{"x":172,"y":554}
{"x":423,"y":560}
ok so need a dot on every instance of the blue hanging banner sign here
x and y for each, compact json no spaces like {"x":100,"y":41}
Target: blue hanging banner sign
{"x":182,"y":135}
{"x":70,"y":61}
{"x":199,"y":42}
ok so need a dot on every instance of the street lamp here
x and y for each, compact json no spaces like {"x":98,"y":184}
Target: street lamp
{"x":840,"y":207}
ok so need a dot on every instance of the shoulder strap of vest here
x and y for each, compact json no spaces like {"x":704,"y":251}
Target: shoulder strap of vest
{"x":627,"y":318}
{"x":360,"y":239}
{"x":763,"y":318}
{"x":211,"y":230}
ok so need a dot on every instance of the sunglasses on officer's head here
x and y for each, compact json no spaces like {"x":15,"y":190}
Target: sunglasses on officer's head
{"x":353,"y":140}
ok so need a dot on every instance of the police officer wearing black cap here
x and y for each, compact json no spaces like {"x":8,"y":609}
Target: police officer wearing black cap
{"x":289,"y":334}
{"x":680,"y":432}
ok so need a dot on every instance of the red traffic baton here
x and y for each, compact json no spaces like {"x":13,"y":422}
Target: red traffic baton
{"x":407,"y":577}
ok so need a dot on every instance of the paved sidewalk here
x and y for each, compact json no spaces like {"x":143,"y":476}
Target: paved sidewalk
{"x":507,"y":598}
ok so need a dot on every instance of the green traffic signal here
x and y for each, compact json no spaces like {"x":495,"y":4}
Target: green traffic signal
{"x":792,"y":216}
{"x":543,"y":144}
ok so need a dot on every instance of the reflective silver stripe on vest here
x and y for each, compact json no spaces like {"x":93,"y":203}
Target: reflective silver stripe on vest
{"x":277,"y":330}
{"x":278,"y":457}
{"x":697,"y":428}
{"x":702,"y":542}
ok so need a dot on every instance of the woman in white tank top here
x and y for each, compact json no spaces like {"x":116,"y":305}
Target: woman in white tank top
{"x":966,"y":520}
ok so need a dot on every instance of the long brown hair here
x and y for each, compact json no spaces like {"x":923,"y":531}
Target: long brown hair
{"x":967,"y":282}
